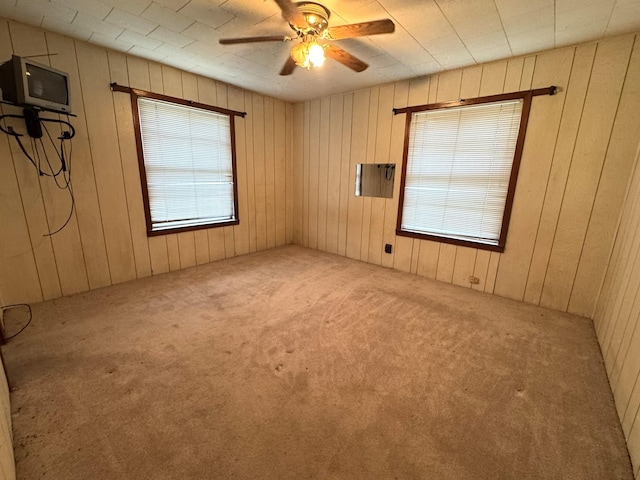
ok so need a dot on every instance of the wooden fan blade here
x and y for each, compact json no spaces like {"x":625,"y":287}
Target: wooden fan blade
{"x":288,"y":67}
{"x":345,"y":58}
{"x":273,"y":38}
{"x":361,"y":29}
{"x":290,"y":11}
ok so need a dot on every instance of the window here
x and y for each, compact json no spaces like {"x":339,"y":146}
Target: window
{"x":460,"y":168}
{"x":187,"y":163}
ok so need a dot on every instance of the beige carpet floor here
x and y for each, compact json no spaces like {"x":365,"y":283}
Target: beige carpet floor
{"x":295,"y":364}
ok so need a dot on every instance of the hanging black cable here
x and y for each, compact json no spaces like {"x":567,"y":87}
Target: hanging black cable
{"x":16,"y":305}
{"x":36,"y":158}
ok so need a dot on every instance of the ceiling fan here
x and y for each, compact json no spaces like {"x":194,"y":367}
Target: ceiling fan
{"x":310,"y":22}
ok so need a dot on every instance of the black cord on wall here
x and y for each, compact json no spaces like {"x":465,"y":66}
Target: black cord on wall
{"x":62,"y":174}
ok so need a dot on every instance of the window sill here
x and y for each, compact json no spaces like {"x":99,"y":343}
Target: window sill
{"x":453,"y":241}
{"x":167,"y":231}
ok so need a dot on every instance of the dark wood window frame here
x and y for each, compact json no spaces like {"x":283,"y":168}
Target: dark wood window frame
{"x":527,"y":97}
{"x":137,"y":93}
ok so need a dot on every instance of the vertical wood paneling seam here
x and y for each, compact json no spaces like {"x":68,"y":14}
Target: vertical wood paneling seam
{"x":482,"y":75}
{"x":124,"y":183}
{"x":521,"y":74}
{"x":264,"y":169}
{"x":74,"y":213}
{"x":620,"y":215}
{"x":326,"y":192}
{"x":26,"y":223}
{"x":275,"y":172}
{"x":606,"y":151}
{"x":199,"y":100}
{"x":546,"y":187}
{"x":306,"y":155}
{"x":175,"y":235}
{"x":46,"y":237}
{"x":220,"y":102}
{"x":506,"y":70}
{"x":393,"y":96}
{"x":340,"y":176}
{"x":164,"y":237}
{"x":533,"y":72}
{"x":192,"y":234}
{"x":486,"y":272}
{"x":455,"y":259}
{"x":317,"y":156}
{"x":349,"y":161}
{"x":366,"y":155}
{"x":162,"y":66}
{"x":148,"y":250}
{"x":267,"y":175}
{"x":287,"y":153}
{"x":635,"y":416}
{"x":417,"y":242}
{"x":623,"y":247}
{"x":573,"y":151}
{"x":631,"y":336}
{"x":615,"y":311}
{"x":615,"y":258}
{"x":292,"y":172}
{"x":84,"y":107}
{"x":286,"y":174}
{"x":455,"y":252}
{"x":84,"y":258}
{"x":35,"y":263}
{"x":292,"y":181}
{"x":603,"y":328}
{"x":388,"y":200}
{"x":375,"y":148}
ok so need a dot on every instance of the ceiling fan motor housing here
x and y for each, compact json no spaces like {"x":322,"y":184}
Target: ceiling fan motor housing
{"x":316,"y":18}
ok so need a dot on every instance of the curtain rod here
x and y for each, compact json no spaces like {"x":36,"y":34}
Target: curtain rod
{"x":552,"y":90}
{"x":115,"y":87}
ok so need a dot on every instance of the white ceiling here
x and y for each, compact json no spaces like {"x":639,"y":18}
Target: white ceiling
{"x":430,"y":36}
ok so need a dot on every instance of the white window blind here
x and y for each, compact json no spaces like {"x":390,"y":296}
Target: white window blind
{"x":458,"y":170}
{"x":188,"y":164}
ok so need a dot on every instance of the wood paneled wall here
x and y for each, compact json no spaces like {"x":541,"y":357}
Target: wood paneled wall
{"x":616,"y":320}
{"x":578,"y":154}
{"x":106,"y":242}
{"x":7,"y":461}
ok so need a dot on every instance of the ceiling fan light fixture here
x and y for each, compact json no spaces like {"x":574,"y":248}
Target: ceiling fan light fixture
{"x":316,"y":54}
{"x":310,"y":22}
{"x":308,"y":53}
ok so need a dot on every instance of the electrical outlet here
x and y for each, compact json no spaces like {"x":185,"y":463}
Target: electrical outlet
{"x":474,"y":280}
{"x":388,"y":248}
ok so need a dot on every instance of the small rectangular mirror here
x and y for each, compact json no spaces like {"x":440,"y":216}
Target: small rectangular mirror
{"x":375,"y":179}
